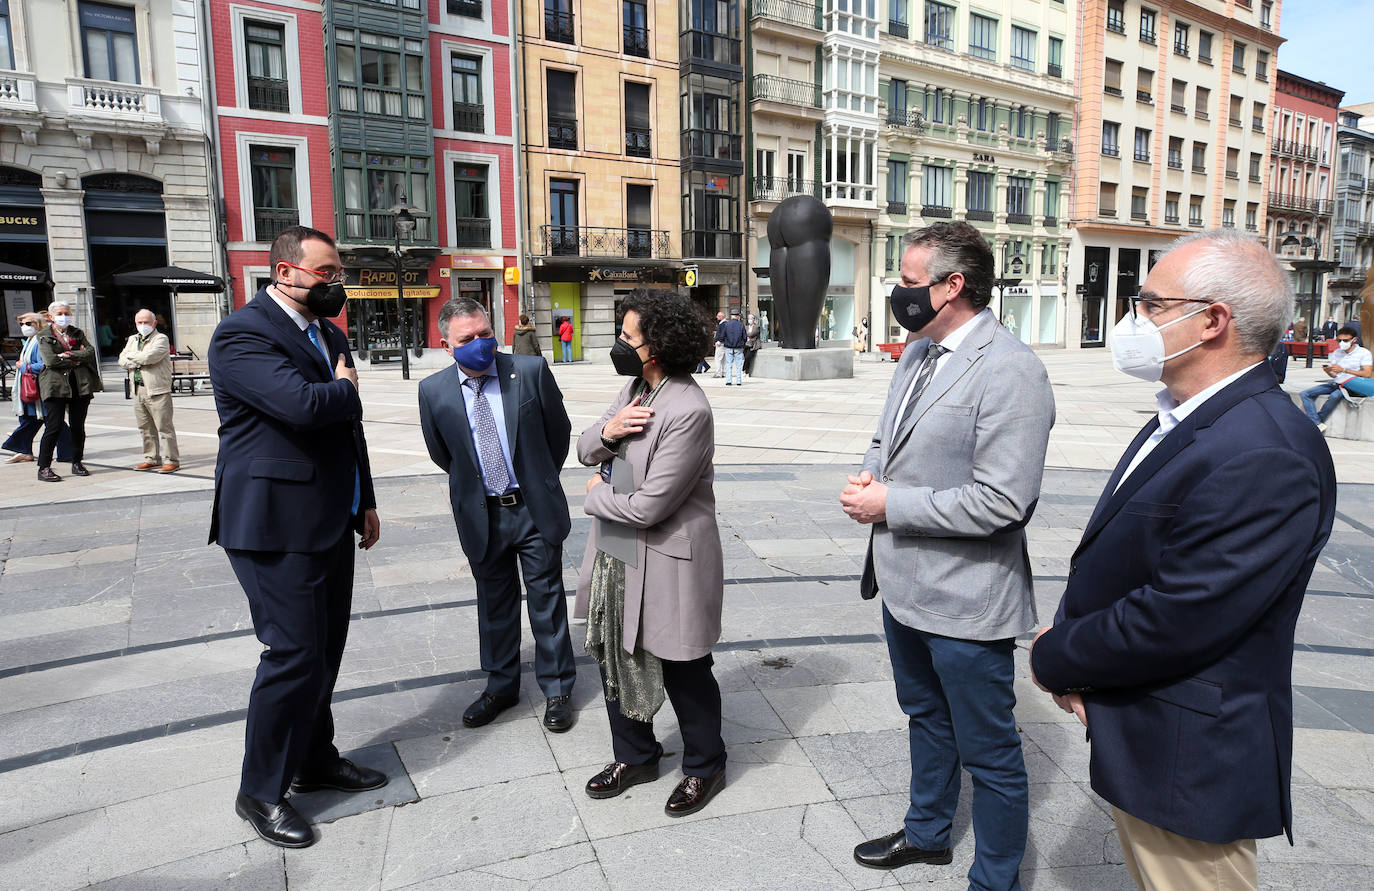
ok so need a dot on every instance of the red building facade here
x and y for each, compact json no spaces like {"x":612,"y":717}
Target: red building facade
{"x":1301,"y":156}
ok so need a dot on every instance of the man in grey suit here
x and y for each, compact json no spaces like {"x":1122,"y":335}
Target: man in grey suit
{"x":949,"y":483}
{"x":496,"y":424}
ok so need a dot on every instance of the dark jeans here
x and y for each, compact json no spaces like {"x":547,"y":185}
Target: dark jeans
{"x":21,"y":440}
{"x":695,"y":695}
{"x":958,"y":699}
{"x":53,"y":411}
{"x":300,"y":605}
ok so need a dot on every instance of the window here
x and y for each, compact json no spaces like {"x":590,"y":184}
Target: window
{"x":109,"y":42}
{"x":765,"y":161}
{"x":6,"y":44}
{"x":1233,"y":163}
{"x":1204,"y":47}
{"x":635,"y":27}
{"x":1116,"y":16}
{"x":471,"y":215}
{"x":1055,"y":68}
{"x":1257,"y":118}
{"x":1110,"y":130}
{"x":1178,"y":97}
{"x":1181,"y":39}
{"x":983,"y":112}
{"x":1200,"y":103}
{"x":896,"y":187}
{"x":1176,"y":152}
{"x":1255,"y":159}
{"x":639,"y":219}
{"x":936,"y":102}
{"x":1199,"y":157}
{"x":1252,"y":216}
{"x":1022,"y":116}
{"x":897,"y":21}
{"x":267,"y":86}
{"x":1111,"y":77}
{"x":937,"y":186}
{"x":896,"y":101}
{"x":1238,"y":58}
{"x":940,"y":25}
{"x":1195,"y":210}
{"x":1018,"y":200}
{"x":388,"y":71}
{"x":1266,"y":14}
{"x":1261,"y":66}
{"x":1140,"y":199}
{"x":1147,"y":25}
{"x":373,"y":184}
{"x":982,"y":37}
{"x":1051,"y":202}
{"x":1228,"y":213}
{"x":563,"y":230}
{"x":849,"y":163}
{"x":274,"y":191}
{"x":470,"y":8}
{"x":1106,"y":199}
{"x":1142,"y":144}
{"x":1049,"y":263}
{"x":469,"y":113}
{"x":562,"y":99}
{"x":1023,"y":48}
{"x":1171,"y":207}
{"x":1144,"y":86}
{"x":1237,"y":104}
{"x":797,"y":171}
{"x":980,"y":195}
{"x":638,"y":136}
{"x":558,"y":21}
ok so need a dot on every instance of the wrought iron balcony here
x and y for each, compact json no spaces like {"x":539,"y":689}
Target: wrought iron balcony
{"x":562,"y":132}
{"x":1145,"y":97}
{"x":1171,"y":218}
{"x":709,"y":46}
{"x":638,"y":142}
{"x":1059,"y":146}
{"x":937,"y":211}
{"x":636,"y":41}
{"x":776,"y":188}
{"x":1139,"y":214}
{"x":1175,"y":162}
{"x":1051,"y":222}
{"x":1233,"y":174}
{"x":1116,"y":24}
{"x":1054,"y":70}
{"x":268,"y":94}
{"x":772,"y":88}
{"x":913,"y":120}
{"x":605,"y":242}
{"x":1178,"y":109}
{"x":472,"y":232}
{"x":708,"y":243}
{"x":1111,"y":151}
{"x":1112,"y":91}
{"x":1199,"y":168}
{"x":269,"y":222}
{"x":1147,"y":37}
{"x":1019,"y":219}
{"x":558,"y":26}
{"x":1143,"y":156}
{"x":1319,"y":206}
{"x":469,"y":117}
{"x":981,"y":216}
{"x":898,"y":29}
{"x":789,"y":12}
{"x":896,"y":208}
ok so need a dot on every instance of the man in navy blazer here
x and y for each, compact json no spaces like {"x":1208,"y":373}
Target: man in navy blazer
{"x":495,"y":423}
{"x":292,"y":486}
{"x":1174,"y":639}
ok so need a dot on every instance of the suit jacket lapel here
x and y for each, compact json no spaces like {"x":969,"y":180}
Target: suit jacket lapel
{"x":890,"y":421}
{"x":947,"y":374}
{"x":511,"y":385}
{"x":307,"y":357}
{"x":455,"y":416}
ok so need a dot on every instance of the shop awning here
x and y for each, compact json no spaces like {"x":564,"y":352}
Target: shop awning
{"x":21,"y":275}
{"x":169,"y":277}
{"x":368,"y":292}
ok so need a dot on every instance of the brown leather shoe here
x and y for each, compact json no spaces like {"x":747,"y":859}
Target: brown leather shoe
{"x":145,"y":465}
{"x":617,"y":776}
{"x":693,"y":794}
{"x":169,"y":468}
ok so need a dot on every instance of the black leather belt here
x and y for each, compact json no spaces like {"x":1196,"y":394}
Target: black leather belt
{"x":510,"y":499}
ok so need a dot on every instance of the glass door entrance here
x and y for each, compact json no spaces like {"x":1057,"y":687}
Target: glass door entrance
{"x":377,"y":327}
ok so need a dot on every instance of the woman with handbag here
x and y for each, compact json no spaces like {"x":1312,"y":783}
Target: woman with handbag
{"x":69,"y":380}
{"x":28,"y":408}
{"x":652,"y":580}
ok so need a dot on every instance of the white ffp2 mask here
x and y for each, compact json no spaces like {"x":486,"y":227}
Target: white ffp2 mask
{"x":1138,"y":346}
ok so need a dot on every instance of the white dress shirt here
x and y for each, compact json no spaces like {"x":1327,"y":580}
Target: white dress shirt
{"x":492,"y":390}
{"x":289,"y":310}
{"x":951,"y":343}
{"x":1172,"y":413}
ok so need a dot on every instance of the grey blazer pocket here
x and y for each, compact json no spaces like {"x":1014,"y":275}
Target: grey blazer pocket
{"x":679,"y":546}
{"x":1194,"y":694}
{"x":941,"y":409}
{"x":1149,"y":509}
{"x":282,"y":469}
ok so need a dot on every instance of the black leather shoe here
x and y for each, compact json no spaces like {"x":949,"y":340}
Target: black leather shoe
{"x":486,"y":708}
{"x":558,"y":714}
{"x":278,"y":824}
{"x":79,"y":469}
{"x":46,"y":475}
{"x":693,"y":794}
{"x":617,"y":776}
{"x":892,"y":851}
{"x":342,"y":775}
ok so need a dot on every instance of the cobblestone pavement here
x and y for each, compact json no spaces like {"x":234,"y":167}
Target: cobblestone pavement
{"x":128,"y":654}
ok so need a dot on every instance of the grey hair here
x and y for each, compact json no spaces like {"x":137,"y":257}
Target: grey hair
{"x":458,"y":306}
{"x":144,"y":309}
{"x":956,"y":246}
{"x":1236,"y":269}
{"x":52,"y":307}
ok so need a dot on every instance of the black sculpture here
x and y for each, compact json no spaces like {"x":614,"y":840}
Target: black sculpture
{"x":799,"y":268}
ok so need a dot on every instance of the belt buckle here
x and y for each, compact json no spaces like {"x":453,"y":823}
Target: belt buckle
{"x":510,"y":499}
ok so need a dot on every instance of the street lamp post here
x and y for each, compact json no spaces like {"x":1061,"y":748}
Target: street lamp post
{"x":405,"y":225}
{"x":1295,"y":237}
{"x":1004,"y":281}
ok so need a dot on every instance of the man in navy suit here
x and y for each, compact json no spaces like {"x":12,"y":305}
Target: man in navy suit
{"x":495,"y":423}
{"x":292,"y":486}
{"x":1174,"y":639}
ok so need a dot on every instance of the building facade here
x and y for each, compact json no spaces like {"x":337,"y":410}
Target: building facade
{"x":1353,"y":228}
{"x":603,"y":187}
{"x":1186,"y":82}
{"x":977,"y":105}
{"x":105,"y":164}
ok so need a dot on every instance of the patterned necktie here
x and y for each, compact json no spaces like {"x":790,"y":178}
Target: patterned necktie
{"x":922,"y":381}
{"x":313,"y":332}
{"x":488,"y":441}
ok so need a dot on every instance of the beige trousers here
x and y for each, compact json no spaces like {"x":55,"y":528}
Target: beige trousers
{"x":154,"y":417}
{"x":1160,"y":860}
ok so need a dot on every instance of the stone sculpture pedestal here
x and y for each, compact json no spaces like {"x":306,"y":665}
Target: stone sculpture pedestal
{"x":824,"y":363}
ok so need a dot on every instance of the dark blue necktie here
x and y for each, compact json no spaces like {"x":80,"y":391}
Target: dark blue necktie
{"x":313,"y":332}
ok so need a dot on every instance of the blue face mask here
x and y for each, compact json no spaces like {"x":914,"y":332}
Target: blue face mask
{"x":477,"y":354}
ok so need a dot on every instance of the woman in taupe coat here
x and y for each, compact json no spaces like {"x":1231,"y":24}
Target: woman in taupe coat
{"x":525,"y":340}
{"x":653,"y":601}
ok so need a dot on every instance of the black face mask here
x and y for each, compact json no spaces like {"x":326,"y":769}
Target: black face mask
{"x":325,"y":300}
{"x":626,"y":359}
{"x":911,"y":306}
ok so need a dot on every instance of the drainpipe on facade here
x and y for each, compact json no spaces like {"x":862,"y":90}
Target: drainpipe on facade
{"x":208,"y":104}
{"x":521,"y":181}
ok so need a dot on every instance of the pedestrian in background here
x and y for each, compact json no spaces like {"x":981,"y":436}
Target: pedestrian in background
{"x":30,"y":412}
{"x":652,"y":580}
{"x":525,"y":340}
{"x":147,"y":358}
{"x":720,"y":347}
{"x":69,"y":380}
{"x":752,"y":334}
{"x":734,"y":337}
{"x":565,"y":336}
{"x":1348,"y":361}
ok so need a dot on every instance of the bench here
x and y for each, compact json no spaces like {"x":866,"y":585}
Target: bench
{"x":188,"y":374}
{"x":893,"y":349}
{"x":1298,"y":348}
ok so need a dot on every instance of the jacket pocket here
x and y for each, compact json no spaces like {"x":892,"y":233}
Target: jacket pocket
{"x":671,"y":544}
{"x":939,"y":409}
{"x":1194,"y":694}
{"x":282,"y":469}
{"x":1149,"y":509}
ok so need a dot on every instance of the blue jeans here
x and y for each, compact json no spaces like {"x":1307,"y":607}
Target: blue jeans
{"x":958,"y":699}
{"x":1309,"y":401}
{"x":567,"y":350}
{"x":734,"y":365}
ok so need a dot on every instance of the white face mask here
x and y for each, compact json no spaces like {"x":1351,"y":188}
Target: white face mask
{"x":1342,"y":346}
{"x":27,"y":330}
{"x":1138,"y":346}
{"x":62,"y":321}
{"x":145,"y":330}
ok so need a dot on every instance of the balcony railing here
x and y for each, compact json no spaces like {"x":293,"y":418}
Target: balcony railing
{"x":1112,"y":91}
{"x":1175,"y":162}
{"x":1060,"y":146}
{"x":714,"y":144}
{"x":18,"y":90}
{"x":1257,"y":124}
{"x":1201,"y":115}
{"x":900,"y":117}
{"x":269,"y":222}
{"x":1051,"y":222}
{"x":1235,"y":121}
{"x":1298,"y":150}
{"x":1233,"y":174}
{"x":118,"y":101}
{"x":472,"y":232}
{"x":1144,"y":96}
{"x":1199,"y":168}
{"x":709,"y":46}
{"x":469,"y":117}
{"x":896,"y":208}
{"x":898,"y":29}
{"x":1054,"y":70}
{"x":1181,"y":49}
{"x":707,"y":243}
{"x":776,"y":188}
{"x":602,"y":241}
{"x":1020,"y":219}
{"x":1111,"y":151}
{"x":1139,"y":215}
{"x":982,"y":216}
{"x":639,"y":142}
{"x":1320,"y":206}
{"x":1147,"y":37}
{"x":1178,"y":109}
{"x":1107,"y":212}
{"x":268,"y":94}
{"x":1116,"y":25}
{"x":1142,"y":156}
{"x":562,"y":132}
{"x":1254,"y":178}
{"x":558,"y":26}
{"x":1171,"y":218}
{"x":772,"y":88}
{"x":789,"y":12}
{"x":1194,"y":221}
{"x":937,"y":211}
{"x":636,"y":41}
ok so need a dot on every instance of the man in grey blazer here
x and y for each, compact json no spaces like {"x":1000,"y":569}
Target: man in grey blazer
{"x":496,"y":424}
{"x":949,"y":483}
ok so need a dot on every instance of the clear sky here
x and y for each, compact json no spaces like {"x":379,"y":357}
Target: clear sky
{"x":1329,"y":40}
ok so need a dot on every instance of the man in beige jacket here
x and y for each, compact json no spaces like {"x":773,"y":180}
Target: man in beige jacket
{"x":147,"y":358}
